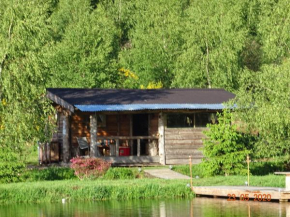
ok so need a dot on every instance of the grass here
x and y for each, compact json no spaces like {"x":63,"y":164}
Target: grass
{"x":262,"y":181}
{"x":74,"y":190}
{"x":117,"y":184}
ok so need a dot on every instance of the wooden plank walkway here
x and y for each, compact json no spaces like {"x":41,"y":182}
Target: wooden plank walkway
{"x":244,"y":192}
{"x":165,"y":174}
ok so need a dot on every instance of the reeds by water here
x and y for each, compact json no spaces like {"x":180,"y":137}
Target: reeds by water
{"x":73,"y":190}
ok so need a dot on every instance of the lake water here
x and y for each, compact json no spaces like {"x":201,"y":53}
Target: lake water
{"x":197,"y":207}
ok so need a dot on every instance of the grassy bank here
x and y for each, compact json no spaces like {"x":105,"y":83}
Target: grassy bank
{"x":74,"y":190}
{"x":262,"y":181}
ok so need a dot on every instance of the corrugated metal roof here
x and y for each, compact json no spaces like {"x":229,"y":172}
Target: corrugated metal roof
{"x":134,"y":107}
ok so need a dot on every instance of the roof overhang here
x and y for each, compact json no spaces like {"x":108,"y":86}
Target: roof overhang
{"x":137,"y":107}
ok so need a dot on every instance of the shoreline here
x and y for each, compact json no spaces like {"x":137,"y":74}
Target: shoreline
{"x":75,"y":190}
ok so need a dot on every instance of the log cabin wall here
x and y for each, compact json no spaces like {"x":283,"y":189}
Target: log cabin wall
{"x":57,"y":135}
{"x":153,"y":124}
{"x":115,"y":125}
{"x":180,"y":143}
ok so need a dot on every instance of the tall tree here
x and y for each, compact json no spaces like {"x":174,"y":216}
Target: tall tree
{"x":214,"y":35}
{"x":154,"y":40}
{"x":23,"y":108}
{"x":264,"y":105}
{"x":264,"y":96}
{"x":86,"y":46}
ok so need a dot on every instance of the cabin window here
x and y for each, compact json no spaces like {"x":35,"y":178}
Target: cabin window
{"x":179,"y":120}
{"x":202,"y":119}
{"x":190,"y":120}
{"x":101,"y":120}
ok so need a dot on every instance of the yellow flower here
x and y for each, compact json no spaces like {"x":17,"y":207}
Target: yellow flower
{"x":153,"y":85}
{"x":128,"y":73}
{"x":4,"y":102}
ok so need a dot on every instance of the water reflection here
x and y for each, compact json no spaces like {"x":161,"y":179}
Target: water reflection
{"x":198,"y":207}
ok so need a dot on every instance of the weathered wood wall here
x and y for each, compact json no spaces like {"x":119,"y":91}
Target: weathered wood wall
{"x":153,"y":124}
{"x":57,"y":135}
{"x":116,"y":125}
{"x":180,"y":143}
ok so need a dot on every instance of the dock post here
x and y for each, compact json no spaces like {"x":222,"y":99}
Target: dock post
{"x":190,"y":169}
{"x":248,"y":162}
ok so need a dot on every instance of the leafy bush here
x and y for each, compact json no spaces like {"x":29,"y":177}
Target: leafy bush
{"x":225,"y":149}
{"x":52,"y":173}
{"x":89,"y":168}
{"x":119,"y":173}
{"x":10,"y":167}
{"x":197,"y":170}
{"x":266,"y":168}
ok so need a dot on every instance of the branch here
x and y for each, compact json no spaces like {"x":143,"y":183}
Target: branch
{"x":5,"y":55}
{"x":206,"y":65}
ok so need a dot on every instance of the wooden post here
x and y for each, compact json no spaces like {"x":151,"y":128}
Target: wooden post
{"x":138,"y":147}
{"x":65,"y":138}
{"x":248,"y":162}
{"x":117,"y":147}
{"x":161,"y":139}
{"x":190,"y":169}
{"x":93,"y":133}
{"x":131,"y":134}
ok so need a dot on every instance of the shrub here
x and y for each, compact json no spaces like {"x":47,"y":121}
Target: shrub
{"x":52,"y":173}
{"x":119,"y":173}
{"x":225,"y":149}
{"x":89,"y":168}
{"x":10,"y":167}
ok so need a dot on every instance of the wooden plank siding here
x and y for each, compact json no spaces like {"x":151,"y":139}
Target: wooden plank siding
{"x":180,"y":143}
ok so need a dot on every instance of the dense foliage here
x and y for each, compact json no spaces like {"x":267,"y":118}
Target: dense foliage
{"x":240,"y":45}
{"x":10,"y":167}
{"x":225,"y":148}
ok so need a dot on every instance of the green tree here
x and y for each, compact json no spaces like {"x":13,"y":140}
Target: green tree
{"x":154,"y":40}
{"x":23,"y":108}
{"x":214,"y":35}
{"x":225,"y":148}
{"x":85,"y":49}
{"x":264,"y":105}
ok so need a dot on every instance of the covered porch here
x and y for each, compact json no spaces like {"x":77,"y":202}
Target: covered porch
{"x":123,"y":138}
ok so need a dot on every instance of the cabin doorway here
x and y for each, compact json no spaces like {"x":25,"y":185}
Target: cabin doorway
{"x":140,"y":128}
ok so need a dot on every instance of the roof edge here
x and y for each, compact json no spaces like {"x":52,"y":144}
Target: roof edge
{"x":59,"y":101}
{"x":136,"y":107}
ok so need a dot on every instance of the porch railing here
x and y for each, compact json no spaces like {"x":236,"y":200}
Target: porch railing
{"x":128,"y":138}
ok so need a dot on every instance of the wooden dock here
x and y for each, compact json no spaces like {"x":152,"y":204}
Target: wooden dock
{"x":244,"y":193}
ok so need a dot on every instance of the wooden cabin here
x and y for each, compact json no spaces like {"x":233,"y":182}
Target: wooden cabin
{"x":130,"y":126}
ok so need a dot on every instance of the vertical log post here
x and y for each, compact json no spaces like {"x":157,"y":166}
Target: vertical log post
{"x":65,"y":139}
{"x":131,"y":134}
{"x":117,"y":147}
{"x":190,"y":169}
{"x":138,"y":147}
{"x":161,"y":139}
{"x":93,"y":133}
{"x":248,"y":162}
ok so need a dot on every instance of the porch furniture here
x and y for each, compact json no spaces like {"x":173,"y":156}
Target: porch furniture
{"x":83,"y":143}
{"x":104,"y":150}
{"x":124,"y":151}
{"x":118,"y":147}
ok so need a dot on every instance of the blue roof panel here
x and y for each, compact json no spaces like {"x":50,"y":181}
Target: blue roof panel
{"x":135,"y":107}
